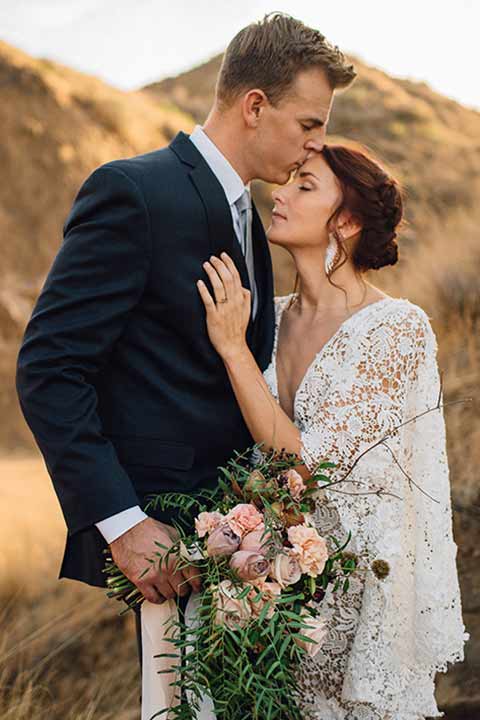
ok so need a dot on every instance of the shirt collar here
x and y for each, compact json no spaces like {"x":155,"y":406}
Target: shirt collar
{"x":228,"y":177}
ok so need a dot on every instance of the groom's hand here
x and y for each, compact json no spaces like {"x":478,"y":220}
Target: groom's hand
{"x":132,"y":550}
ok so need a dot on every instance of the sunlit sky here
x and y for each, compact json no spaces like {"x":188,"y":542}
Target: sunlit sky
{"x":129,"y":43}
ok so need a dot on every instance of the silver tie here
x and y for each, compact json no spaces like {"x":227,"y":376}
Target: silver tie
{"x":244,"y":205}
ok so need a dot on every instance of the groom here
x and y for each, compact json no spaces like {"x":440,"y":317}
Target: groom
{"x":116,"y":377}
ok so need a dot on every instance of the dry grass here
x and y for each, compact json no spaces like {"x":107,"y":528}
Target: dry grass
{"x":64,"y":652}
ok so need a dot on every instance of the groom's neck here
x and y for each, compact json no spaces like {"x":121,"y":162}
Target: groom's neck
{"x":223,"y":131}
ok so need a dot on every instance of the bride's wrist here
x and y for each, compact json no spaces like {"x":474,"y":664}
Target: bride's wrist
{"x":236,"y":355}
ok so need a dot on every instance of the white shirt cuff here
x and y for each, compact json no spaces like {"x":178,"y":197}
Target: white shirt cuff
{"x":118,"y":524}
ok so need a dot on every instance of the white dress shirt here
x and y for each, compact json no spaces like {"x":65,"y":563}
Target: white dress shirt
{"x":233,"y":186}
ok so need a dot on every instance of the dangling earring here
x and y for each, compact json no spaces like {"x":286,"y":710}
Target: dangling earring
{"x":331,"y":255}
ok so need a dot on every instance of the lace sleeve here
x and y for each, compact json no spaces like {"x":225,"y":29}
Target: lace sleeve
{"x":410,"y":623}
{"x":367,"y":395}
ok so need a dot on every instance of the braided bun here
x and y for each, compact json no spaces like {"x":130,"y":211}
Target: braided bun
{"x":374,"y":198}
{"x":377,"y":247}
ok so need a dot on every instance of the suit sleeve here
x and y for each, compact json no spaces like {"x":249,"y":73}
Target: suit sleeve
{"x":95,"y":281}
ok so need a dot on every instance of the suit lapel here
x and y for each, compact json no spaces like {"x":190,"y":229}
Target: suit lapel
{"x":223,"y":238}
{"x":220,"y":223}
{"x":219,"y":217}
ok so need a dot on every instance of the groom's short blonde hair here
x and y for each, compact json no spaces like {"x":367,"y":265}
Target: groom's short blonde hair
{"x":270,"y":53}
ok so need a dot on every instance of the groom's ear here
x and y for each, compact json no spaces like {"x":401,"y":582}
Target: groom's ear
{"x":253,"y":105}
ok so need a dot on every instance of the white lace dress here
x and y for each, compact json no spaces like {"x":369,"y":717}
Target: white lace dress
{"x":387,"y":637}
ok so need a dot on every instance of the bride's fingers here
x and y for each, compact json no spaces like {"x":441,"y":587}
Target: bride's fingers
{"x":232,"y":268}
{"x":226,"y":275}
{"x":219,"y":289}
{"x":208,"y":301}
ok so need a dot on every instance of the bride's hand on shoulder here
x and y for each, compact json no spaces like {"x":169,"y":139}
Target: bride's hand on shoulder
{"x":228,"y":311}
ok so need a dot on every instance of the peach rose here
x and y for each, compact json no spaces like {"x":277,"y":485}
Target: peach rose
{"x":230,"y":611}
{"x":249,"y":565}
{"x":256,"y":540}
{"x":244,"y":518}
{"x":207,"y":521}
{"x":309,"y":548}
{"x":285,"y":569}
{"x":317,"y":631}
{"x":295,"y":483}
{"x":222,"y":541}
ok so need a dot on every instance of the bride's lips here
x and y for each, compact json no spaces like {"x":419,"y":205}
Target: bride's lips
{"x":278,"y":216}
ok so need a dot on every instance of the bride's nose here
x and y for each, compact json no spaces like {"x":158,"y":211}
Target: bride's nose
{"x":277,"y":197}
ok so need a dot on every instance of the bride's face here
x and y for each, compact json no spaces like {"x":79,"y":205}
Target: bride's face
{"x":303,"y":207}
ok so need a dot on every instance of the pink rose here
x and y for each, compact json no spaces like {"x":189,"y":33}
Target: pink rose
{"x":207,"y":521}
{"x":249,"y":565}
{"x":231,"y":611}
{"x":309,"y":548}
{"x":285,"y":569}
{"x":222,"y":541}
{"x":295,"y":483}
{"x":317,"y":631}
{"x":244,"y":518}
{"x":256,"y":540}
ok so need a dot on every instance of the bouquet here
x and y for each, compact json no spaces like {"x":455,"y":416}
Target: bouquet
{"x":264,"y":570}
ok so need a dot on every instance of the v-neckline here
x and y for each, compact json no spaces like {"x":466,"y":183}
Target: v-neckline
{"x":317,"y":354}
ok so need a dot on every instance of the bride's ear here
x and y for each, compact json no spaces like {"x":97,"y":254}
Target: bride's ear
{"x":348,"y":225}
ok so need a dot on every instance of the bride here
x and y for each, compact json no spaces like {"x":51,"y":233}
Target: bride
{"x":350,"y":367}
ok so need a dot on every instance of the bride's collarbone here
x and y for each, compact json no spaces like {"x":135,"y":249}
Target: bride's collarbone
{"x":299,"y":342}
{"x":297,"y":348}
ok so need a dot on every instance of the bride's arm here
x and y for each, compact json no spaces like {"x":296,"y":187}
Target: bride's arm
{"x":227,"y":324}
{"x":264,"y":417}
{"x":359,"y":408}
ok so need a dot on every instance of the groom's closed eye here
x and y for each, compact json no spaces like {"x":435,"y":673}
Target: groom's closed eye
{"x":312,"y":123}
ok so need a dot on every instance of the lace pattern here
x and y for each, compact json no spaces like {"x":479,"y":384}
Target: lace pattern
{"x":387,"y":638}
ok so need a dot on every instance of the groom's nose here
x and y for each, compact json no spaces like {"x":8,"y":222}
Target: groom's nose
{"x":314,"y":146}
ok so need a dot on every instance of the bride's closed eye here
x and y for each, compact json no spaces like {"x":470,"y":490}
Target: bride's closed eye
{"x":302,"y":187}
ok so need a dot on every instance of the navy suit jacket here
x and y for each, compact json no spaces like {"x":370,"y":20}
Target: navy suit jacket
{"x":116,"y":375}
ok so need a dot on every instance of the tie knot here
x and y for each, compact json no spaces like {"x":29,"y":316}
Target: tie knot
{"x":244,"y":202}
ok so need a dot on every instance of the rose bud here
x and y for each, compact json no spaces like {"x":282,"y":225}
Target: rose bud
{"x":277,"y":508}
{"x":256,"y":541}
{"x":249,"y":565}
{"x":231,"y":612}
{"x":255,"y":483}
{"x":222,"y":541}
{"x":292,"y":516}
{"x":192,"y":552}
{"x":285,"y":569}
{"x":295,"y":484}
{"x":317,"y":631}
{"x":257,"y":486}
{"x":270,"y":592}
